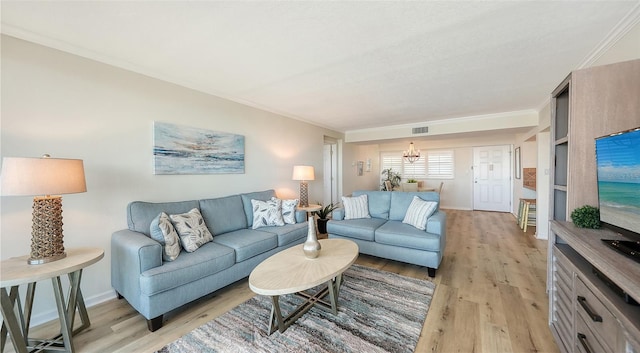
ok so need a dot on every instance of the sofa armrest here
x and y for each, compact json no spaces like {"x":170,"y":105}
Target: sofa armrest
{"x":301,"y":216}
{"x":338,"y":214}
{"x":437,"y":224}
{"x":131,"y":254}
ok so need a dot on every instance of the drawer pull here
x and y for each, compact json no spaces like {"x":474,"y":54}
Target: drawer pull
{"x":583,"y":341}
{"x":583,"y":303}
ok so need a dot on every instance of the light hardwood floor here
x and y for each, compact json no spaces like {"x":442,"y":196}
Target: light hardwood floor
{"x":490,"y":297}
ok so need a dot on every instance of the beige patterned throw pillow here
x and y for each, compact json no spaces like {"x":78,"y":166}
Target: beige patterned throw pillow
{"x":288,"y":210}
{"x":267,"y":213}
{"x":192,"y":229}
{"x":162,"y":231}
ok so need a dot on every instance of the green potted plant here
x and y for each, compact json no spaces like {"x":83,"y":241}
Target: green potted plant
{"x":412,"y":181}
{"x":323,"y":216}
{"x":392,"y":177}
{"x":586,"y":217}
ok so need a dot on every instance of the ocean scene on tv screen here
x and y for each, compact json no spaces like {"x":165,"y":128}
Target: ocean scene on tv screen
{"x":618,"y":159}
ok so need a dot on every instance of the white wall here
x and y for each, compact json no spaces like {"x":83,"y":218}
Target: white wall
{"x":67,"y":106}
{"x":543,"y":182}
{"x":369,"y":180}
{"x":458,"y":192}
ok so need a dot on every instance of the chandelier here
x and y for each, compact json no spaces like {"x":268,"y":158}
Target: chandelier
{"x":412,"y":154}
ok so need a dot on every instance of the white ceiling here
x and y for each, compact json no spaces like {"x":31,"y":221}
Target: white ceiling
{"x":342,"y":65}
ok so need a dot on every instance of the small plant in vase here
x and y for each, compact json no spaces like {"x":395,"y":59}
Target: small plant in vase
{"x":323,"y":216}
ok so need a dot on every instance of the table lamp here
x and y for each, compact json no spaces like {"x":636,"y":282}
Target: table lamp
{"x":303,"y":173}
{"x":44,"y":178}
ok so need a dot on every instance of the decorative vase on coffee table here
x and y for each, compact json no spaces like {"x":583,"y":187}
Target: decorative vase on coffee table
{"x":311,"y":246}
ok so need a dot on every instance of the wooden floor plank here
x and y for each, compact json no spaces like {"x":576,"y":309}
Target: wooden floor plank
{"x":490,"y":297}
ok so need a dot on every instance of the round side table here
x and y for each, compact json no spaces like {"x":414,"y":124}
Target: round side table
{"x":16,"y":271}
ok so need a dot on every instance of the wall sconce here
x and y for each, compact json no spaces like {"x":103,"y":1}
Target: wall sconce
{"x":412,"y":154}
{"x":45,"y":178}
{"x":303,"y":173}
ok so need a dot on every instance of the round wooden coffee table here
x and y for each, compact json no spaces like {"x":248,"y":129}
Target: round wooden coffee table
{"x":290,"y":272}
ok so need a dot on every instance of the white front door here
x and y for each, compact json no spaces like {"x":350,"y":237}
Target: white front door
{"x":492,"y":178}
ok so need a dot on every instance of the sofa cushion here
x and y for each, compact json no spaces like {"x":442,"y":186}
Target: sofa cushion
{"x":267,"y":213}
{"x":140,"y":214}
{"x":356,"y":207}
{"x":224,"y":214}
{"x":418,"y":212}
{"x":210,"y":259}
{"x":258,"y":195}
{"x":288,"y":233}
{"x":248,"y":243}
{"x":363,"y":228}
{"x":379,"y":202}
{"x":403,"y":235}
{"x":163,"y":232}
{"x":400,"y":202}
{"x":192,"y":229}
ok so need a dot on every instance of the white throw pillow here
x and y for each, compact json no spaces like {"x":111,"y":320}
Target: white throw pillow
{"x":192,"y":230}
{"x":267,"y":213}
{"x":288,"y":210}
{"x":418,"y":212}
{"x":163,"y":231}
{"x":356,"y":207}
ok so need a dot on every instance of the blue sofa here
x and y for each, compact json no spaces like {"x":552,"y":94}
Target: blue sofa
{"x":154,"y":287}
{"x":384,"y":235}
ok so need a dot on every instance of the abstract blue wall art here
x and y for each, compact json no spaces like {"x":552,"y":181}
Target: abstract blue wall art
{"x":187,"y":150}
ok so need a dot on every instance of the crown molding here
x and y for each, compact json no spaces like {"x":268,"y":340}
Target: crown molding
{"x":620,"y":30}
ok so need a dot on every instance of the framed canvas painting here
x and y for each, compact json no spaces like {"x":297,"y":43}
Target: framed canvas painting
{"x":188,"y":150}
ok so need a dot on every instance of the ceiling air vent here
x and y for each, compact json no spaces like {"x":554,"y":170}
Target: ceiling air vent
{"x":420,"y":130}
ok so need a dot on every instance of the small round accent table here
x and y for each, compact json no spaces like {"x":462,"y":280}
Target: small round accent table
{"x":310,"y":209}
{"x":290,"y":272}
{"x":16,"y":271}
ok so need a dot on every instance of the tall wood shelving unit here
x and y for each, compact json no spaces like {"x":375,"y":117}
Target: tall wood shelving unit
{"x":585,"y":313}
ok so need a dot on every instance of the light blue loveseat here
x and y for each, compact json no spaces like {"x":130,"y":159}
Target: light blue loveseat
{"x":154,"y":287}
{"x":384,"y":235}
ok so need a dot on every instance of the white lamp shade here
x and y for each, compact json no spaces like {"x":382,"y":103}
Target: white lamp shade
{"x":303,"y":172}
{"x":42,"y":176}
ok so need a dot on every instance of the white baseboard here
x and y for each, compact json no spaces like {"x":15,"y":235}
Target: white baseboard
{"x":41,"y":318}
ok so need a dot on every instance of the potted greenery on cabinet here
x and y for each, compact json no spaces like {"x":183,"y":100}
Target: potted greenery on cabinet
{"x":323,"y":216}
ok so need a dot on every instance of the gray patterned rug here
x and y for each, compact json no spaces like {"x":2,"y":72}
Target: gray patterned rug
{"x":378,"y":312}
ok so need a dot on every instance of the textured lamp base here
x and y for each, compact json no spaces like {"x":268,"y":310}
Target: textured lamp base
{"x":46,"y":235}
{"x":304,"y":194}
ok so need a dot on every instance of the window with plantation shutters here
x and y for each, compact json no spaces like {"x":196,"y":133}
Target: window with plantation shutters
{"x":436,"y":164}
{"x":394,"y":160}
{"x":439,"y":164}
{"x":391,"y":160}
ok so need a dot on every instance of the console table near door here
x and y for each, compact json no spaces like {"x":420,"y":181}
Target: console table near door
{"x":16,"y":271}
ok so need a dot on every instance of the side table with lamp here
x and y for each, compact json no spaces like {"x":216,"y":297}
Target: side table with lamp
{"x":45,"y":178}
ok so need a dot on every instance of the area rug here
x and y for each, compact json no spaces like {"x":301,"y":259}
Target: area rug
{"x":378,"y":312}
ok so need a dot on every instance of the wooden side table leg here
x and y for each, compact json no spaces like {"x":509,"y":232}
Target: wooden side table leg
{"x":65,"y":327}
{"x":10,"y":323}
{"x":76,"y":302}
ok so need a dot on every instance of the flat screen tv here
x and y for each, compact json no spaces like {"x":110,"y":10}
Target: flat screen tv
{"x":618,"y":161}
